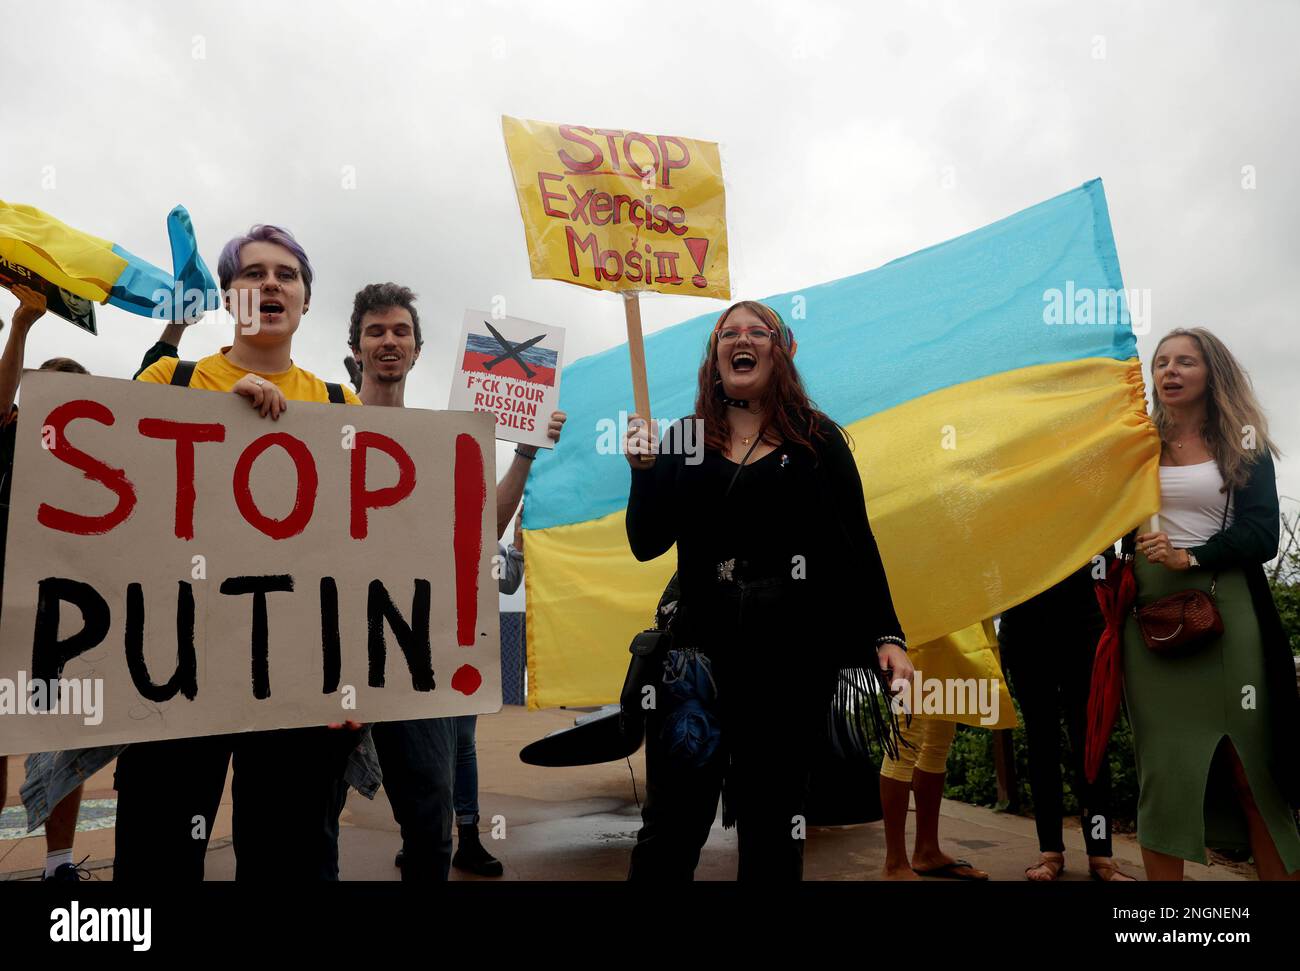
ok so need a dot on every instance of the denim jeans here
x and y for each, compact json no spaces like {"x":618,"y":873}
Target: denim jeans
{"x":418,"y":758}
{"x":466,"y":796}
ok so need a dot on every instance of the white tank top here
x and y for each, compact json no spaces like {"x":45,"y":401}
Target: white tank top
{"x":1191,"y":505}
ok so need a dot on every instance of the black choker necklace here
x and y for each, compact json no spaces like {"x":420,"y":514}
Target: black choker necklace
{"x":734,"y":402}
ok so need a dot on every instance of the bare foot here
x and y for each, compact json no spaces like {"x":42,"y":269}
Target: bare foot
{"x":898,"y":872}
{"x":958,"y":869}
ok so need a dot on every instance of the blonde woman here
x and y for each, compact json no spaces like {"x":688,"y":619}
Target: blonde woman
{"x":1215,"y":730}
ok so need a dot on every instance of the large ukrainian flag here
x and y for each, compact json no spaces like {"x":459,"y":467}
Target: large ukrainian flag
{"x":998,"y":451}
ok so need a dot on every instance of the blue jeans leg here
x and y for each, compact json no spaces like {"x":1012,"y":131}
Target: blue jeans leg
{"x":466,"y":771}
{"x":417,"y":758}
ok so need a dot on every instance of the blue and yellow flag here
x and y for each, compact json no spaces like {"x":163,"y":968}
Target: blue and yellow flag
{"x":105,"y":272}
{"x":992,"y":388}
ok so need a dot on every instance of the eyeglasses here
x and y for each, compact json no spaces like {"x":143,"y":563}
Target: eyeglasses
{"x":759,"y":335}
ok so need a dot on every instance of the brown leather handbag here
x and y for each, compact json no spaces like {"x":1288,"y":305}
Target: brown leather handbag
{"x":1183,"y":621}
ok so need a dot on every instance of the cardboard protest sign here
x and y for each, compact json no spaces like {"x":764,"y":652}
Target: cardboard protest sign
{"x":61,"y":303}
{"x":510,"y":367}
{"x":180,"y":566}
{"x":621,"y":210}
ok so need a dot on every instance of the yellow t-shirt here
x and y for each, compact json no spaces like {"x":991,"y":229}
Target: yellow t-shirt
{"x":216,"y":373}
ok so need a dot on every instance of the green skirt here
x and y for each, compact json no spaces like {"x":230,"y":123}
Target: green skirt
{"x":1181,"y":708}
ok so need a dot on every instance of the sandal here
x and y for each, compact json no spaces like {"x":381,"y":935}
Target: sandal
{"x":1054,"y":863}
{"x":1108,"y":872}
{"x":956,"y":870}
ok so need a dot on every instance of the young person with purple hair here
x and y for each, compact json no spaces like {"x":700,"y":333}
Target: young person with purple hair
{"x":287,"y":781}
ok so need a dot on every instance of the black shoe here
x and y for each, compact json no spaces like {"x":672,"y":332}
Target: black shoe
{"x":472,"y":857}
{"x":400,"y":858}
{"x":68,"y":873}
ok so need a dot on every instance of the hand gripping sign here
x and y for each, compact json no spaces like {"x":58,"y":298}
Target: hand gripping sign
{"x":621,"y":210}
{"x":211,"y":571}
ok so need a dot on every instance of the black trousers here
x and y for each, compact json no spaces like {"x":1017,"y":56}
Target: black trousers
{"x":285,"y":795}
{"x":681,"y":805}
{"x":1048,"y":660}
{"x":770,"y":707}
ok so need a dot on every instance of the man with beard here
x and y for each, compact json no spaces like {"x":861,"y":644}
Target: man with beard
{"x":430,"y":766}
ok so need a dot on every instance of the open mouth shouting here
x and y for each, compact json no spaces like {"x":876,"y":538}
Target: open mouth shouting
{"x":743,"y":361}
{"x":271,"y":310}
{"x":1171,"y":388}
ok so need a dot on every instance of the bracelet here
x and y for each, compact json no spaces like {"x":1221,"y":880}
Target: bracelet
{"x":891,"y":639}
{"x":525,"y":455}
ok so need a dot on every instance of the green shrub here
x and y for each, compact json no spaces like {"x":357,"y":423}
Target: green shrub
{"x":1287,"y":598}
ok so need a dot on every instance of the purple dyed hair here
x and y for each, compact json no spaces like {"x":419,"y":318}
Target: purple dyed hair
{"x":228,"y":262}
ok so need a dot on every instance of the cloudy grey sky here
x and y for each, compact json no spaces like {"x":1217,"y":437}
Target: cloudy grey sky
{"x":852,"y":133}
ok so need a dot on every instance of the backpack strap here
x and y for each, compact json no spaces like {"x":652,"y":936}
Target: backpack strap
{"x":335,"y":392}
{"x":183,"y":373}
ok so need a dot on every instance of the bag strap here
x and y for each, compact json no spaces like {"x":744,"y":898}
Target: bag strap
{"x":736,"y":475}
{"x":183,"y":373}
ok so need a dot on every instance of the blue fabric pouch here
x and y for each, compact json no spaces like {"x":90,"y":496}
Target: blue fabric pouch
{"x":692,"y":731}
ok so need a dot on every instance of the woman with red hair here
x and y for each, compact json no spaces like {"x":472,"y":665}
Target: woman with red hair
{"x":784,"y":611}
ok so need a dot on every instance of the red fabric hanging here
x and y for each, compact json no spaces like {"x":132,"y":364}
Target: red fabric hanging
{"x":1115,"y":594}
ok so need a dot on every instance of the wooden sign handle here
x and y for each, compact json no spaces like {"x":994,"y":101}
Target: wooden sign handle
{"x":636,"y":352}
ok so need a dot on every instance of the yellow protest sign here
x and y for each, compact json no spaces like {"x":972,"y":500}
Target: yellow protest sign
{"x":621,"y":210}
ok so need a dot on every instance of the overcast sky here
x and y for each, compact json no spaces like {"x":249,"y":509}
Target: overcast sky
{"x":851,"y":134}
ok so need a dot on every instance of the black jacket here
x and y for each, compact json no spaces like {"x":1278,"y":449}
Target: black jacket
{"x":1249,"y":543}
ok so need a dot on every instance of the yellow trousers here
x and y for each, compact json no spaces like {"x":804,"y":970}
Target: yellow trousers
{"x":929,"y":740}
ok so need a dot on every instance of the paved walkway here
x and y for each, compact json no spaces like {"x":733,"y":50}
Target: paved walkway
{"x":580,"y":824}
